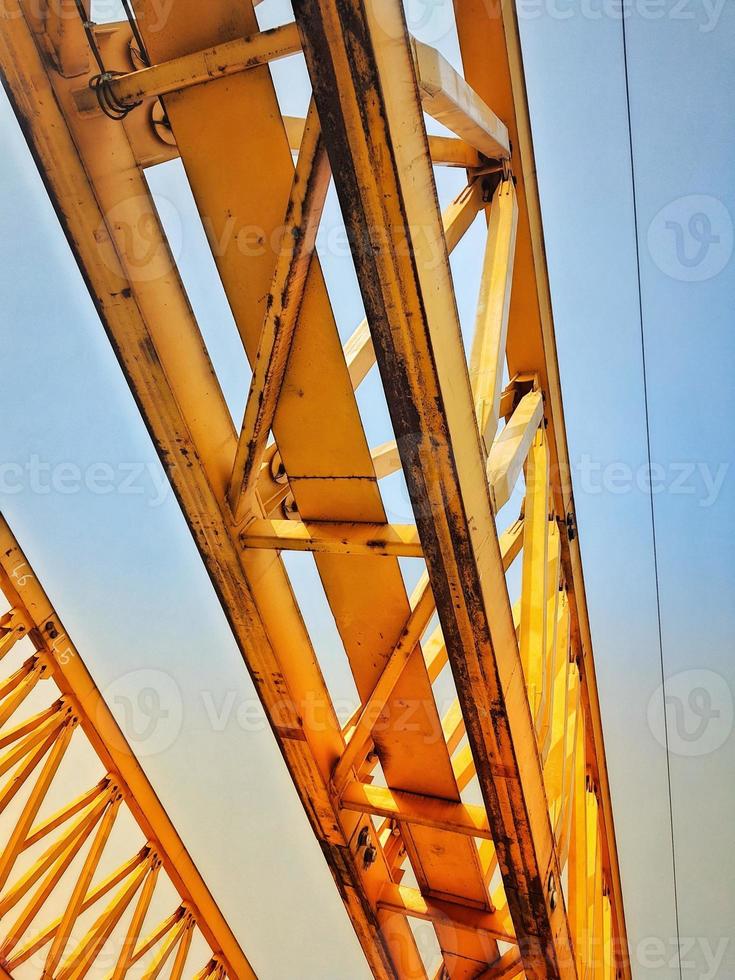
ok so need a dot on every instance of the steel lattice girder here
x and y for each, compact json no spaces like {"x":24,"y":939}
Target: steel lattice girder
{"x":236,"y":151}
{"x":27,"y":740}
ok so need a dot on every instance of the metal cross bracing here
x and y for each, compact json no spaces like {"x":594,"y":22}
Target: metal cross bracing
{"x":94,"y":879}
{"x":499,"y":832}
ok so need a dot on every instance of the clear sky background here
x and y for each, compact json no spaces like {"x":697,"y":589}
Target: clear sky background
{"x":122,"y":570}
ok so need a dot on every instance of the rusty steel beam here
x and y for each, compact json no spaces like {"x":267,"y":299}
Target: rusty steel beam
{"x":382,"y":171}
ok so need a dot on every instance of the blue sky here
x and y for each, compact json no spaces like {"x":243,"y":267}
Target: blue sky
{"x":681,"y":91}
{"x":83,"y":490}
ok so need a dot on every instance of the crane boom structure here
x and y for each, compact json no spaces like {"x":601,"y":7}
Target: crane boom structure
{"x":49,"y":704}
{"x":490,"y":820}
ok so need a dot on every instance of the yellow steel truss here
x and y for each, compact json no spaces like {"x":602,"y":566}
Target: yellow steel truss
{"x":48,"y":703}
{"x":525,"y":882}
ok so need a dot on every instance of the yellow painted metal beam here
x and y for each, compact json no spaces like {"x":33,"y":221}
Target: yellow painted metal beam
{"x":409,"y":902}
{"x":535,"y":567}
{"x":458,"y":818}
{"x":487,"y":359}
{"x":447,"y":97}
{"x":333,"y":538}
{"x":553,"y":602}
{"x":446,"y":151}
{"x":298,"y":241}
{"x":423,"y":609}
{"x":135,"y":925}
{"x":386,"y":459}
{"x":509,"y":966}
{"x":382,"y":172}
{"x":218,"y":61}
{"x":320,"y":468}
{"x":510,"y":450}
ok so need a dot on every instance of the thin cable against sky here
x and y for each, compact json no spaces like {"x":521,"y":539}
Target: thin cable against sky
{"x":650,"y":482}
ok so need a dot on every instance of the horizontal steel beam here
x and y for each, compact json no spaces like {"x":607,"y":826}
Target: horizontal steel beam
{"x":446,"y":96}
{"x":197,"y":68}
{"x":445,"y":151}
{"x":333,"y":537}
{"x":410,"y":902}
{"x":458,"y":818}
